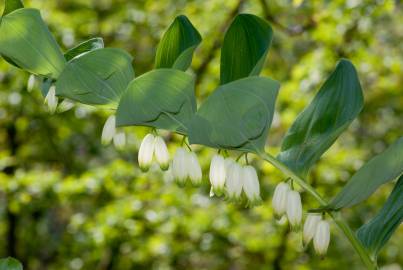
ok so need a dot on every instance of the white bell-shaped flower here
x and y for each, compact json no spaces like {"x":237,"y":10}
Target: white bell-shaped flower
{"x":51,"y":99}
{"x":310,"y":226}
{"x":279,"y":200}
{"x":179,"y":166}
{"x":194,"y":169}
{"x":65,"y":105}
{"x":294,"y":209}
{"x":233,"y":183}
{"x":321,"y":238}
{"x":217,"y":174}
{"x":31,"y":82}
{"x":146,"y":152}
{"x":161,"y":153}
{"x":109,"y":130}
{"x":119,"y":140}
{"x":251,"y":185}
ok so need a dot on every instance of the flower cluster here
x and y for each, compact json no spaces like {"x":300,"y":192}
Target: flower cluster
{"x":109,"y":133}
{"x":287,"y":203}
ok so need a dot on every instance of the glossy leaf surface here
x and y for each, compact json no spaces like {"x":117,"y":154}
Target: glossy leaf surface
{"x":10,"y":264}
{"x":11,"y":5}
{"x":84,"y":47}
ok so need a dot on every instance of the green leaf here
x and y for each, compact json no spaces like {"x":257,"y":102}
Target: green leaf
{"x":162,"y":98}
{"x":177,"y":45}
{"x":245,"y":47}
{"x":98,"y":77}
{"x":84,"y":47}
{"x":11,"y":5}
{"x":10,"y":264}
{"x":334,"y":107}
{"x":25,"y":40}
{"x":378,"y":231}
{"x":236,"y":116}
{"x":381,"y":169}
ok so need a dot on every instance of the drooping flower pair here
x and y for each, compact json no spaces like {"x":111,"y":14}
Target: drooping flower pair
{"x":317,"y":229}
{"x":110,"y":133}
{"x":51,"y":100}
{"x":185,"y":166}
{"x":287,"y":202}
{"x":231,"y":178}
{"x":153,"y":146}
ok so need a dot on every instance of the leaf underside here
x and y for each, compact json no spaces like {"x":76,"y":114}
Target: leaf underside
{"x":84,"y":47}
{"x":11,"y":5}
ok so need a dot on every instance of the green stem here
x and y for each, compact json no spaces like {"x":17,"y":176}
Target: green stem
{"x":338,"y":219}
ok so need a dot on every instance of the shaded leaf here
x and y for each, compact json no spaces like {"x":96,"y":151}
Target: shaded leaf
{"x":98,"y":77}
{"x":25,"y":40}
{"x":237,"y":115}
{"x":381,"y":169}
{"x":11,"y":5}
{"x":378,"y":231}
{"x":245,"y":47}
{"x":84,"y":47}
{"x":334,"y":107}
{"x":177,"y":45}
{"x":162,"y":98}
{"x":10,"y":264}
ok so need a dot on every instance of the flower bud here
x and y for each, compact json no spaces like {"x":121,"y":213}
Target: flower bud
{"x":65,"y":105}
{"x":310,"y":225}
{"x":51,"y":99}
{"x":161,"y":153}
{"x":233,"y":183}
{"x":146,"y":152}
{"x":321,"y":238}
{"x":294,"y":208}
{"x":119,"y":140}
{"x":109,"y":130}
{"x":31,"y":82}
{"x":179,"y":166}
{"x":194,"y":169}
{"x":251,"y":185}
{"x":279,"y":200}
{"x":217,"y":174}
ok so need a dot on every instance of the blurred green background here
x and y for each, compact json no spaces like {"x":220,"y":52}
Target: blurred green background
{"x":66,"y":202}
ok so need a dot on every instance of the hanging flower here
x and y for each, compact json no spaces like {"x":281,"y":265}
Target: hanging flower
{"x":65,"y":105}
{"x":146,"y":152}
{"x":51,"y":99}
{"x":119,"y":140}
{"x":251,"y":185}
{"x":294,"y":209}
{"x":161,"y":153}
{"x":233,"y":183}
{"x":310,"y":226}
{"x":31,"y":82}
{"x":321,"y":238}
{"x":217,"y":175}
{"x":279,"y":200}
{"x":109,"y":130}
{"x":179,"y":166}
{"x":194,"y":169}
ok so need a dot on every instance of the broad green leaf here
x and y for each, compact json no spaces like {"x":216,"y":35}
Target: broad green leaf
{"x":98,"y":77}
{"x":177,"y":45}
{"x":11,"y":5}
{"x":84,"y":47}
{"x":334,"y":107}
{"x":245,"y":47}
{"x":10,"y":264}
{"x":381,"y":169}
{"x":25,"y":40}
{"x":237,"y":115}
{"x":378,"y":231}
{"x":162,"y":98}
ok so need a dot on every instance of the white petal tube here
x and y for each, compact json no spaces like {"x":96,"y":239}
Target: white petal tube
{"x":194,"y":169}
{"x":51,"y":99}
{"x":161,"y":153}
{"x":31,"y":82}
{"x":119,"y":140}
{"x":279,"y":200}
{"x":233,"y":183}
{"x":146,"y":152}
{"x":294,"y":208}
{"x":109,"y":130}
{"x":321,"y":238}
{"x":310,"y":226}
{"x":251,"y":185}
{"x":217,"y":174}
{"x":65,"y":105}
{"x":179,"y":166}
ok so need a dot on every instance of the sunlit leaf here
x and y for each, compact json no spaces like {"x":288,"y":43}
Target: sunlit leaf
{"x":98,"y":77}
{"x":25,"y":40}
{"x":236,"y":116}
{"x":11,"y":5}
{"x":84,"y":47}
{"x":378,"y":231}
{"x":381,"y":169}
{"x":245,"y":47}
{"x":10,"y":264}
{"x":177,"y":45}
{"x":334,"y":107}
{"x":162,"y":98}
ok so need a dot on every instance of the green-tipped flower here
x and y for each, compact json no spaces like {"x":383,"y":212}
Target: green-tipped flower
{"x":251,"y":185}
{"x":321,"y":238}
{"x":161,"y":153}
{"x":217,"y":175}
{"x":146,"y":152}
{"x":294,"y":209}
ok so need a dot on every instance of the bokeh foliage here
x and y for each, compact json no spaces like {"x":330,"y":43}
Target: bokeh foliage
{"x":66,"y":202}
